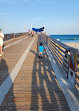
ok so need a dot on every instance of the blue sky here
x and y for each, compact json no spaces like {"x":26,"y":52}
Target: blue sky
{"x":58,"y":16}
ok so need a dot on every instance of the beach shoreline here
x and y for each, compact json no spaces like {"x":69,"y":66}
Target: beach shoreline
{"x":75,"y":45}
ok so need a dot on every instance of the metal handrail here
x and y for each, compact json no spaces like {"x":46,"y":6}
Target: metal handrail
{"x":62,"y":55}
{"x":13,"y":35}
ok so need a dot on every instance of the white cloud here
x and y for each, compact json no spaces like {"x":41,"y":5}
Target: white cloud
{"x":4,"y":16}
{"x":24,"y":0}
{"x":14,"y":1}
{"x":38,"y":0}
{"x":37,"y":19}
{"x":11,"y":1}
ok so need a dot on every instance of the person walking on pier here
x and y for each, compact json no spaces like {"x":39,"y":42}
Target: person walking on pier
{"x":32,"y":33}
{"x":29,"y":32}
{"x":1,"y":40}
{"x":41,"y":48}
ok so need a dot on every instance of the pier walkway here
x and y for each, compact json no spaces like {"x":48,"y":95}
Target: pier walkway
{"x":27,"y":82}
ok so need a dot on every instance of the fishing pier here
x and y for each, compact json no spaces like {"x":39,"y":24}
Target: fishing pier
{"x":30,"y":83}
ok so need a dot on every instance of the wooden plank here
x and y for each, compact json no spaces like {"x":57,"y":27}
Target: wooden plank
{"x":61,"y":50}
{"x":77,"y":68}
{"x":77,"y":83}
{"x":58,"y":56}
{"x":77,"y":75}
{"x":35,"y":87}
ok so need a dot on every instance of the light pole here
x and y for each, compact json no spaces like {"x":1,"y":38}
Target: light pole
{"x":31,"y":27}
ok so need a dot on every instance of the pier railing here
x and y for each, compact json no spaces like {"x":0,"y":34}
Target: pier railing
{"x":66,"y":57}
{"x":13,"y":35}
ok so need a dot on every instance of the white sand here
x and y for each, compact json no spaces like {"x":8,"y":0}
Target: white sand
{"x":75,"y":45}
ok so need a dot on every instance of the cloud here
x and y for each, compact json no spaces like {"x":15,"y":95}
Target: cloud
{"x":38,"y":0}
{"x":4,"y":15}
{"x":24,"y":0}
{"x":13,"y":1}
{"x":37,"y":19}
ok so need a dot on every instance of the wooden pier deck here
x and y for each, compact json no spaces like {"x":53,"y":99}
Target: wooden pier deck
{"x":34,"y":86}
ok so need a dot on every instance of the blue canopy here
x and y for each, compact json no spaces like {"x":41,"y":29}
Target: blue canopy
{"x":38,"y":30}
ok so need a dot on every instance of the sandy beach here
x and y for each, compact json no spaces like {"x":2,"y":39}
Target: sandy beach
{"x":75,"y":45}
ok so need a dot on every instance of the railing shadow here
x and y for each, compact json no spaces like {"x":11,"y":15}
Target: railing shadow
{"x":33,"y":52}
{"x":46,"y":93}
{"x":7,"y":99}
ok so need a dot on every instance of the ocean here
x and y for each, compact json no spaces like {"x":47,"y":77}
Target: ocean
{"x":67,"y":38}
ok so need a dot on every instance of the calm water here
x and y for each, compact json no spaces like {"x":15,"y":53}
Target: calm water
{"x":67,"y":38}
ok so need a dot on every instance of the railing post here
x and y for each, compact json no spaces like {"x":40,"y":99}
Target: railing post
{"x":69,"y":61}
{"x":66,"y":57}
{"x":14,"y":35}
{"x":46,"y":39}
{"x":6,"y":37}
{"x":77,"y":72}
{"x":72,"y":66}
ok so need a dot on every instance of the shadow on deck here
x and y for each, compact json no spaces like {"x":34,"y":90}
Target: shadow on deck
{"x":46,"y":92}
{"x":7,"y":105}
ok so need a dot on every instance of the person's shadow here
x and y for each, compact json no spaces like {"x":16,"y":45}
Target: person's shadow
{"x":7,"y":99}
{"x":34,"y":52}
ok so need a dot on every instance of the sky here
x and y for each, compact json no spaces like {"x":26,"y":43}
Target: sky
{"x":58,"y":16}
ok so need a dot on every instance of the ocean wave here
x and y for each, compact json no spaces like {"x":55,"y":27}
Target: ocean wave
{"x":58,"y":39}
{"x":66,"y":38}
{"x":70,"y":39}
